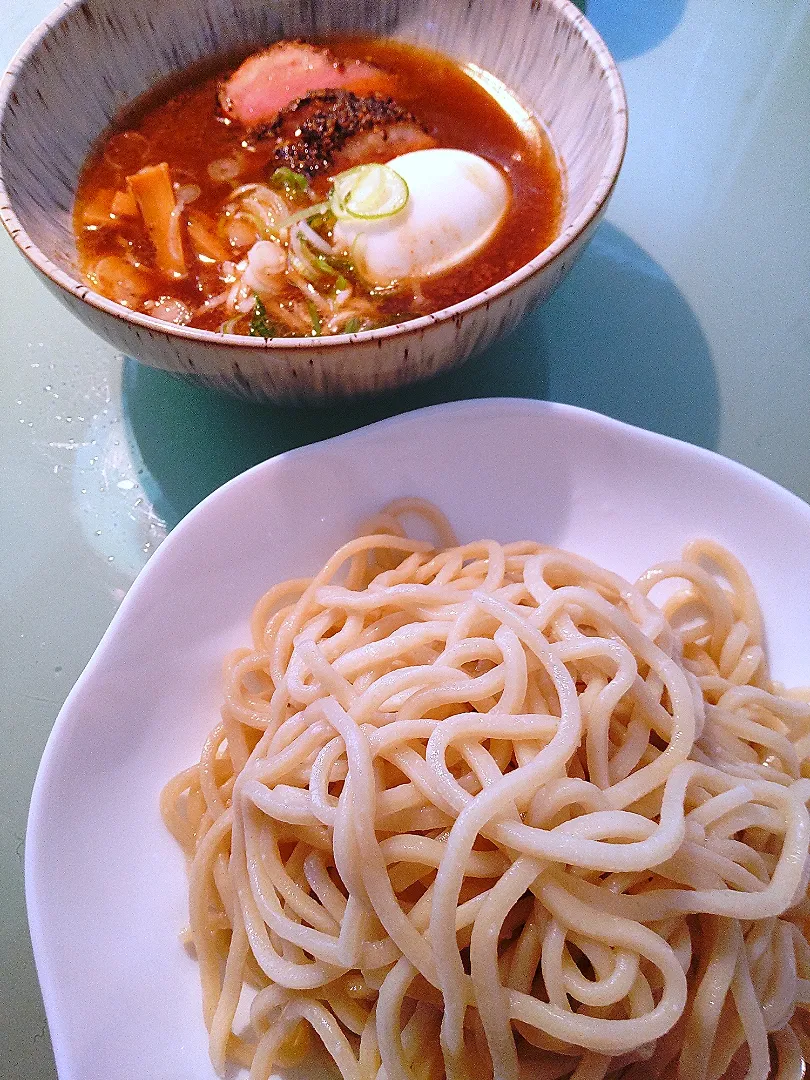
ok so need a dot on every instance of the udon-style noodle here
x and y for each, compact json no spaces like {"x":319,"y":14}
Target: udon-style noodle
{"x":488,"y":810}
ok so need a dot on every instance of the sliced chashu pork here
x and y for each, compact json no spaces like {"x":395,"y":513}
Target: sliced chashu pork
{"x":337,"y":129}
{"x":268,"y":81}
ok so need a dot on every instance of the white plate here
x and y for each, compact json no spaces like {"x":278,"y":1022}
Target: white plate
{"x":106,"y":886}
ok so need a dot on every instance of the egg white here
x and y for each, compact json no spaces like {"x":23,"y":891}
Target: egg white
{"x":456,"y":201}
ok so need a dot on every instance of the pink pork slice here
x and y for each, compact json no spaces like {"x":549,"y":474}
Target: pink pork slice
{"x":267,"y":81}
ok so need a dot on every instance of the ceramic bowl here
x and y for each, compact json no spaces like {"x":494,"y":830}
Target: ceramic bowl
{"x":90,"y":58}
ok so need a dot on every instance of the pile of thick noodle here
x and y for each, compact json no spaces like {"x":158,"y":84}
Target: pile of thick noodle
{"x":486,"y":810}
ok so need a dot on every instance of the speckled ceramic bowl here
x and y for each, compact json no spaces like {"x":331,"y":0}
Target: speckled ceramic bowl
{"x":92,"y":57}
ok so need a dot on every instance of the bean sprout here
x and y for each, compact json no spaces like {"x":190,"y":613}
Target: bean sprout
{"x":314,"y":240}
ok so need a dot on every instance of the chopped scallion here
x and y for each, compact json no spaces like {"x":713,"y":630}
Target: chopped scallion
{"x":352,"y":326}
{"x":260,"y":325}
{"x":315,"y":317}
{"x":288,"y":180}
{"x":368,"y":192}
{"x":319,"y":260}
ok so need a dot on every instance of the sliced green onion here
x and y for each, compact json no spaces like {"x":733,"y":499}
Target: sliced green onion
{"x":260,"y":325}
{"x":352,"y":326}
{"x":289,"y":180}
{"x":317,"y":259}
{"x":315,"y":317}
{"x":229,"y":326}
{"x":324,"y":264}
{"x":302,"y":215}
{"x":342,"y":262}
{"x":368,"y":192}
{"x":341,"y":283}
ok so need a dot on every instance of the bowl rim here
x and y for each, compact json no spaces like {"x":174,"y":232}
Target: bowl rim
{"x":590,"y":213}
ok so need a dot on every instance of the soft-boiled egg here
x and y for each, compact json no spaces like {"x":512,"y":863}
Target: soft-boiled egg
{"x":456,"y":201}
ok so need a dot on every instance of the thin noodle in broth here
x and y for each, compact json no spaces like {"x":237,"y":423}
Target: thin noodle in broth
{"x":488,"y":809}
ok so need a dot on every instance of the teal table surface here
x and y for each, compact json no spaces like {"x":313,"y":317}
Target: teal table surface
{"x":687,"y":315}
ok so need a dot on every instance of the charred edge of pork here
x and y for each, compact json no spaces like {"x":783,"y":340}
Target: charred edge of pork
{"x":311,"y":129}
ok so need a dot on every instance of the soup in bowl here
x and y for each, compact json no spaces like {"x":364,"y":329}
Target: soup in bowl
{"x":315,"y":190}
{"x":292,"y":206}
